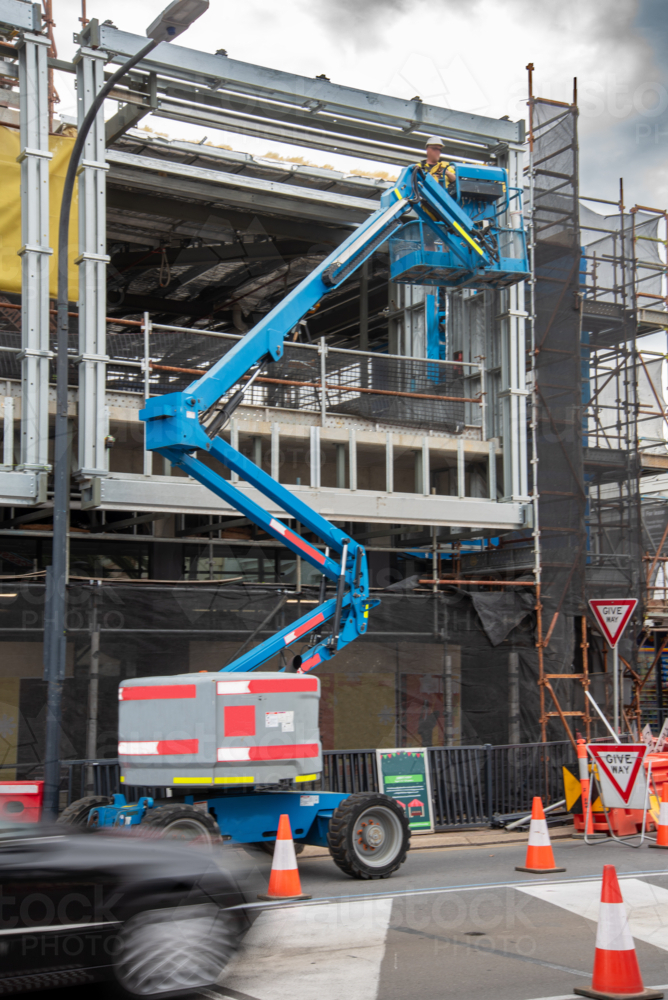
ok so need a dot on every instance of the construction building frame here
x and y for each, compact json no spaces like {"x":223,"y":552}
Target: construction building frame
{"x":504,"y":451}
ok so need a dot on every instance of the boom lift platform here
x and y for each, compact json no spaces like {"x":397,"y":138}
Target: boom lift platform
{"x":230,"y":750}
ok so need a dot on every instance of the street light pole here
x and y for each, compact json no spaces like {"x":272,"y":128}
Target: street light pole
{"x":175,"y":19}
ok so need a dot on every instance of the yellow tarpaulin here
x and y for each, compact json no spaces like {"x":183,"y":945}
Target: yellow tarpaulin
{"x":10,"y":212}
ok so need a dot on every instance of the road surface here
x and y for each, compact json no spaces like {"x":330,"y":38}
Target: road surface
{"x":453,"y":924}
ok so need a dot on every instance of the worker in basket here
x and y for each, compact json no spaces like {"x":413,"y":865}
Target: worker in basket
{"x":442,"y":171}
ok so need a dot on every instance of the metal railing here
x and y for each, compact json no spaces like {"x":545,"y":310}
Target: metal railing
{"x":313,"y":378}
{"x":153,"y":358}
{"x":471,"y":785}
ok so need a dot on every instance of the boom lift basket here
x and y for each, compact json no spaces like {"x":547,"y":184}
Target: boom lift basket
{"x":418,"y":257}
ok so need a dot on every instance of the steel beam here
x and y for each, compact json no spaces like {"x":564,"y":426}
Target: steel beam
{"x":278,"y":131}
{"x":129,"y":115}
{"x":322,"y":98}
{"x":238,"y":162}
{"x":180,"y":495}
{"x":92,"y":261}
{"x":238,"y":182}
{"x":35,"y":251}
{"x":21,"y":14}
{"x":169,"y":183}
{"x":264,"y":119}
{"x":267,"y":119}
{"x":22,"y":488}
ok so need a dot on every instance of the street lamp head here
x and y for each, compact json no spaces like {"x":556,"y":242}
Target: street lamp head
{"x":175,"y":19}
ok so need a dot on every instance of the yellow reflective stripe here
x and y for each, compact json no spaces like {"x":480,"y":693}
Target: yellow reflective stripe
{"x":122,"y":778}
{"x":306,"y":777}
{"x":398,"y":194}
{"x":467,"y":238}
{"x":236,"y":780}
{"x":193,"y":781}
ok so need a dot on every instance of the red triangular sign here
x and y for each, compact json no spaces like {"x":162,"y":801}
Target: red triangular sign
{"x":620,"y":764}
{"x":612,"y":616}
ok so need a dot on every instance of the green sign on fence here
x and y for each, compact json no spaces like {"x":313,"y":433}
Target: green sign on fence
{"x":404,"y":776}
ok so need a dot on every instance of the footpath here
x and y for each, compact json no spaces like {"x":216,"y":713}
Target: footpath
{"x":460,"y":838}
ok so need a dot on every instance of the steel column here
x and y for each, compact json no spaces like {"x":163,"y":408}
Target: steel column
{"x":275,"y":451}
{"x":424,"y":485}
{"x":35,"y":251}
{"x":352,"y":459}
{"x":8,"y":434}
{"x":491,"y":466}
{"x":513,"y":391}
{"x":513,"y":396}
{"x":92,"y":261}
{"x":315,"y":457}
{"x":461,"y":469}
{"x":389,"y":463}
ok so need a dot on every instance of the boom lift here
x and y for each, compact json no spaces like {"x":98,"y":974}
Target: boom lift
{"x":461,"y":237}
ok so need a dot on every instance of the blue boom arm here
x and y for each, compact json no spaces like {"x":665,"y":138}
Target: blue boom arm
{"x":181,"y":424}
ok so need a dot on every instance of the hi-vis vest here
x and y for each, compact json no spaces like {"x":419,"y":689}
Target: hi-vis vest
{"x":437,"y":170}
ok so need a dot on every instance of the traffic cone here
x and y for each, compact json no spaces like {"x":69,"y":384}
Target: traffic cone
{"x":662,"y":829}
{"x":284,"y":880}
{"x":616,"y":973}
{"x":540,"y":859}
{"x":585,"y":784}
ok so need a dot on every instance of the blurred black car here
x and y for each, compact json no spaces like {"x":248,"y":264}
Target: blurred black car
{"x":75,"y":907}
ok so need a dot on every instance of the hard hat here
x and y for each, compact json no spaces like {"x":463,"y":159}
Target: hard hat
{"x":434,"y":140}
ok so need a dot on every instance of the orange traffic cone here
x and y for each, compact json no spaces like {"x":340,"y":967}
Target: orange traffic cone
{"x":540,"y":858}
{"x":662,"y":830}
{"x":616,"y":973}
{"x":284,"y":880}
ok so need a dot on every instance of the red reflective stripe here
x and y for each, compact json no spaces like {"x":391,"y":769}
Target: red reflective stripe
{"x":278,"y":687}
{"x":306,"y":627}
{"x":313,"y":661}
{"x":177,"y":746}
{"x":158,"y":691}
{"x":300,"y":750}
{"x":305,"y":547}
{"x":297,"y":540}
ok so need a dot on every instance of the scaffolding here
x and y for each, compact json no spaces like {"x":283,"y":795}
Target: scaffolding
{"x":599,"y":423}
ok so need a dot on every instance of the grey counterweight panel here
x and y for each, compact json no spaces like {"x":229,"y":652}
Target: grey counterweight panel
{"x":219,"y":729}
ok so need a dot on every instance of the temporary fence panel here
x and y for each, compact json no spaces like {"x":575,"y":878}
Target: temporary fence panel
{"x":470,"y":785}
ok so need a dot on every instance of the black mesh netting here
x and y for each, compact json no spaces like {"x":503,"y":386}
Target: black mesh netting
{"x":432,"y":667}
{"x":558,"y":363}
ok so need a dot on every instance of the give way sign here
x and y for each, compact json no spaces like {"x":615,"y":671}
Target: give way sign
{"x":620,"y":773}
{"x":613,"y":617}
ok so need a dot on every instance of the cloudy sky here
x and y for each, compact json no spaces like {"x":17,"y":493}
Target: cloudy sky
{"x":464,"y":54}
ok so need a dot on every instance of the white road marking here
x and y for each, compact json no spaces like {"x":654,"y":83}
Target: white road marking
{"x":441,"y":889}
{"x":572,"y":996}
{"x":646,"y":905}
{"x":326,"y":951}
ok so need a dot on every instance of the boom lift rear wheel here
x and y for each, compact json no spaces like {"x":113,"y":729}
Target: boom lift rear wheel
{"x":368,"y":836}
{"x":184,"y":823}
{"x":76,"y":814}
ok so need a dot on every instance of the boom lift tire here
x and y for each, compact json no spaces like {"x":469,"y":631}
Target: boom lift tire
{"x":76,"y":814}
{"x":184,"y":823}
{"x":368,"y":836}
